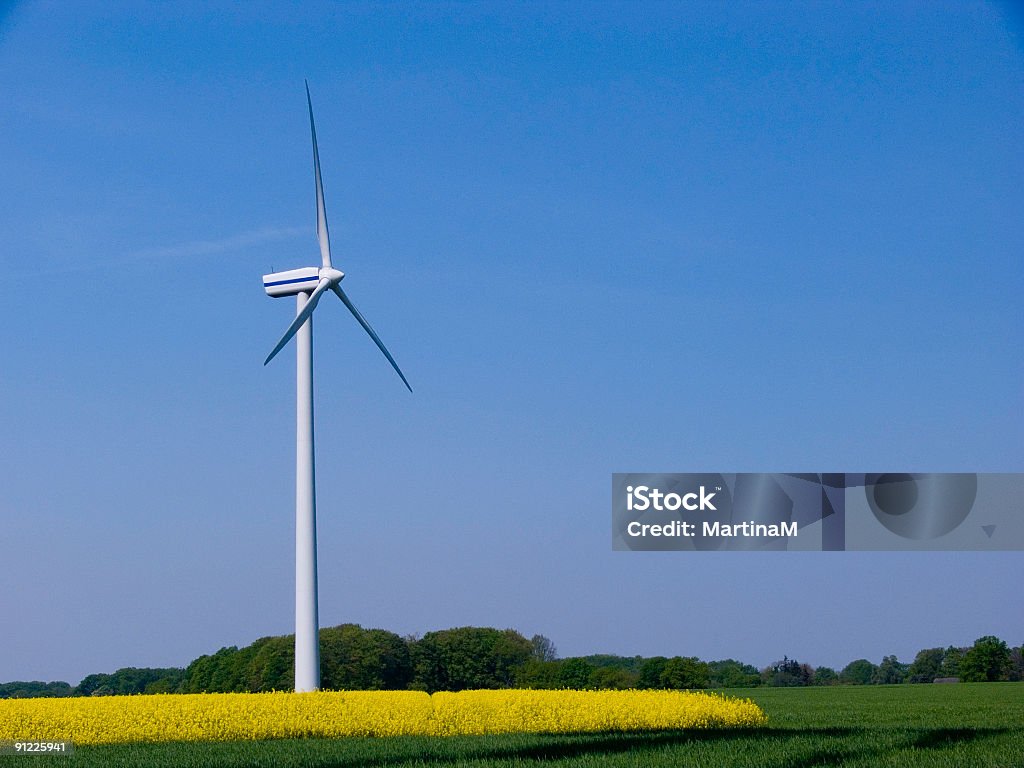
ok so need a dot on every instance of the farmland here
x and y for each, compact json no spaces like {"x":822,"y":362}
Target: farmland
{"x":859,"y":726}
{"x":210,"y":717}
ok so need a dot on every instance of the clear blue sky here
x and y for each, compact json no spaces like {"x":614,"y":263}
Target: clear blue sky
{"x":597,"y":238}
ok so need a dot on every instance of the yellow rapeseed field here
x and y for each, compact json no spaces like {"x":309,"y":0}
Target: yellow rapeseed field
{"x":235,"y":716}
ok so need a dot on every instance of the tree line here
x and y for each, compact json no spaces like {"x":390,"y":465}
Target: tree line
{"x":353,"y":658}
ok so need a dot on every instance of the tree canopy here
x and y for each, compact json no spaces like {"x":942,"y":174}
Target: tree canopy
{"x":354,"y":658}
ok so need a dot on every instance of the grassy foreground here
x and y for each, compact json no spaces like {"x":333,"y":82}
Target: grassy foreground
{"x":923,"y":725}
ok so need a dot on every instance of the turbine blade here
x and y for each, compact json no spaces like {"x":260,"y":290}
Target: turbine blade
{"x":300,"y":317}
{"x":373,"y":335}
{"x":321,"y":211}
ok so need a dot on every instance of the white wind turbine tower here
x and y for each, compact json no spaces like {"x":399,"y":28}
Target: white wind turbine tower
{"x":308,"y":284}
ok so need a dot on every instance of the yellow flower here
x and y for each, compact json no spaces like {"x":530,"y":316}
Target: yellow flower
{"x":238,"y":716}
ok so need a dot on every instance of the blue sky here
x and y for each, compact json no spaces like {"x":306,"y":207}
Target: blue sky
{"x":597,"y":238}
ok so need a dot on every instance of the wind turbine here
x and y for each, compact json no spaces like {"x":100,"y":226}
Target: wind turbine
{"x":308,"y":284}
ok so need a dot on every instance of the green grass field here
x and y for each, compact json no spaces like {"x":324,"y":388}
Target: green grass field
{"x":922,"y":725}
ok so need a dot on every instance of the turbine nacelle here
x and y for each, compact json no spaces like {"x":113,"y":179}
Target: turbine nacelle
{"x":304,"y":279}
{"x":291,"y":282}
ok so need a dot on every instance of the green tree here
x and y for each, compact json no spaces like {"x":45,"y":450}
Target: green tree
{"x":197,"y":675}
{"x":987,"y":660}
{"x":596,"y":672}
{"x":787,"y":673}
{"x":682,"y":672}
{"x":926,"y":665}
{"x":535,"y":673}
{"x":825,"y":676}
{"x":1017,"y":664}
{"x":628,"y":663}
{"x":353,"y":658}
{"x":730,"y":673}
{"x":951,"y":662}
{"x":23,"y":689}
{"x":612,"y":678}
{"x":651,"y":671}
{"x":859,"y":672}
{"x":225,"y":671}
{"x":543,"y":648}
{"x":468,"y":657}
{"x":162,"y":685}
{"x":263,"y":665}
{"x":271,"y":665}
{"x":129,"y":681}
{"x":889,"y":672}
{"x":575,"y":674}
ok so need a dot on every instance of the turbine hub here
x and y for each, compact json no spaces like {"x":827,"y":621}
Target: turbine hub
{"x":332,"y":274}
